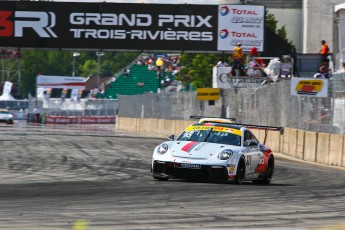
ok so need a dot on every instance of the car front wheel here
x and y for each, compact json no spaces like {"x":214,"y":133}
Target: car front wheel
{"x":241,"y":171}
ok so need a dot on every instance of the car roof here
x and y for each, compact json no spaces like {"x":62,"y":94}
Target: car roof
{"x":4,"y":110}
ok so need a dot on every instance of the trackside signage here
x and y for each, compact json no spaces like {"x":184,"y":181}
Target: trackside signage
{"x":208,"y":94}
{"x":44,"y":81}
{"x":123,"y":26}
{"x":309,"y":87}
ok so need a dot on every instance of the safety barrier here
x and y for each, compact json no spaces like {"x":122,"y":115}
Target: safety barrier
{"x":324,"y":148}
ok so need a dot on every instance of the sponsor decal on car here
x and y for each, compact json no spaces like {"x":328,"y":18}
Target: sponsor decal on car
{"x":215,"y":128}
{"x":190,"y":146}
{"x":231,"y":170}
{"x":187,"y":165}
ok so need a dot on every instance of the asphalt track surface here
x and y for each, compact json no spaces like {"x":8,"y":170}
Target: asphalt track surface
{"x":56,"y":177}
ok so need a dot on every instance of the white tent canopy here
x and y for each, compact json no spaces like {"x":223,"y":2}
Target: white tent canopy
{"x":339,"y":7}
{"x":7,"y":97}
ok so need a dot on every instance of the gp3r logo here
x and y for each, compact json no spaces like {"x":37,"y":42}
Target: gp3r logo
{"x":13,"y":23}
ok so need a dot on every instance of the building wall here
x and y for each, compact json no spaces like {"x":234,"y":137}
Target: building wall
{"x":293,"y":21}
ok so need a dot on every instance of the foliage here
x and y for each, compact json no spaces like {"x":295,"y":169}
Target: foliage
{"x":197,"y":69}
{"x":271,"y":21}
{"x":60,"y":63}
{"x":283,"y":34}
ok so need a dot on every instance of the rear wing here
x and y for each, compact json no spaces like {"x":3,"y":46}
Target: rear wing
{"x":262,"y":127}
{"x":214,"y":119}
{"x":249,"y":126}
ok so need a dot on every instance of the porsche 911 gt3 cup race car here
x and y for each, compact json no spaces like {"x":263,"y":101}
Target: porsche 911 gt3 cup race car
{"x":215,"y":149}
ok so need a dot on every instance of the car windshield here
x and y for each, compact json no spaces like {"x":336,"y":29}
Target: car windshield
{"x":219,"y":135}
{"x":4,"y":112}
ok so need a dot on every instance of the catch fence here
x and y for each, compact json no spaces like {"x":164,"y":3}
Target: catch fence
{"x":268,"y":104}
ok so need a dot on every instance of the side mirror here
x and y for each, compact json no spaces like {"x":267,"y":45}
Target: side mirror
{"x":171,"y":138}
{"x":249,"y":143}
{"x":252,"y":144}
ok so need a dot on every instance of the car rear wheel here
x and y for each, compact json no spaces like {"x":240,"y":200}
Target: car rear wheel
{"x":241,"y":171}
{"x":160,"y":178}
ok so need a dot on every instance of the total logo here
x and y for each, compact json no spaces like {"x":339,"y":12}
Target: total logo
{"x":224,"y":10}
{"x":224,"y":33}
{"x":15,"y":23}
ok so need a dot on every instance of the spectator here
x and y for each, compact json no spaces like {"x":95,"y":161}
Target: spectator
{"x":126,"y":72}
{"x":253,"y":52}
{"x":255,"y":63}
{"x":222,"y":63}
{"x":324,"y":51}
{"x":238,"y":61}
{"x":286,"y":66}
{"x":325,"y":70}
{"x":37,"y":114}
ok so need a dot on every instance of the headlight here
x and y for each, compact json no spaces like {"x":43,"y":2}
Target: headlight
{"x":225,"y":154}
{"x":162,"y":149}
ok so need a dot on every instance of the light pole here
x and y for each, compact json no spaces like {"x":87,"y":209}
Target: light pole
{"x":75,"y":55}
{"x":99,"y":54}
{"x":159,"y":64}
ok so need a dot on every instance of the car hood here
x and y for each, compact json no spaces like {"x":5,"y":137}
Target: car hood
{"x":198,"y":150}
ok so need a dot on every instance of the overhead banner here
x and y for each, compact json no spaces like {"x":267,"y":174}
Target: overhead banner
{"x":122,"y":26}
{"x":60,"y":82}
{"x":129,"y":26}
{"x":242,"y":24}
{"x":309,"y":87}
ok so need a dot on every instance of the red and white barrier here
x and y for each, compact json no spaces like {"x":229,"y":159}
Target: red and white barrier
{"x":80,"y":120}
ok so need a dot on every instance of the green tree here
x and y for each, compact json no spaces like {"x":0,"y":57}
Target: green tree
{"x":41,"y":62}
{"x":197,"y":69}
{"x":271,"y":21}
{"x":283,"y":34}
{"x":60,"y":63}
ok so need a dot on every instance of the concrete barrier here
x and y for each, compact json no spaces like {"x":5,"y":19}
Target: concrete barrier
{"x":300,"y":144}
{"x":322,"y":151}
{"x":292,"y":142}
{"x":336,"y":150}
{"x":343,"y":164}
{"x":286,"y":144}
{"x":309,"y":146}
{"x":310,"y":149}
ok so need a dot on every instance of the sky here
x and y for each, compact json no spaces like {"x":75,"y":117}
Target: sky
{"x":201,"y":2}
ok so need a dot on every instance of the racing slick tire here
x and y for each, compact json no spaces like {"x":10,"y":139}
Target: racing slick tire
{"x":241,"y":171}
{"x":160,"y":178}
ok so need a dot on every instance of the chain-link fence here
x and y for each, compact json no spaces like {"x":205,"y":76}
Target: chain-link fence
{"x":270,"y":104}
{"x":68,"y":107}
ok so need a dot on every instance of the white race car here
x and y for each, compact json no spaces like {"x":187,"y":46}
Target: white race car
{"x":6,"y":116}
{"x":215,"y":149}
